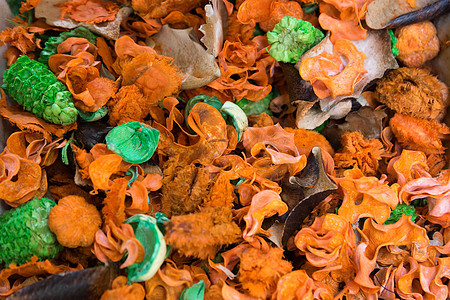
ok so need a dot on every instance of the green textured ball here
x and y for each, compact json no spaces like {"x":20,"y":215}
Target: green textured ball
{"x":24,"y":233}
{"x":38,"y":90}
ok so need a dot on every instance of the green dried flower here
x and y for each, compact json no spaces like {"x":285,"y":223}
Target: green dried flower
{"x":38,"y":90}
{"x":291,"y":38}
{"x":24,"y":233}
{"x":134,"y":141}
{"x":52,"y":44}
{"x":399,"y":211}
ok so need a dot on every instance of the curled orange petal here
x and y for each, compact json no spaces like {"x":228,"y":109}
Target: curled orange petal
{"x":327,"y":73}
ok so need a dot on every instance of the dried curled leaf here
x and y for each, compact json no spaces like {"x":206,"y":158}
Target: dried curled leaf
{"x":89,"y":11}
{"x":327,"y":73}
{"x":29,"y":269}
{"x":264,"y":205}
{"x":407,"y":165}
{"x":27,"y":182}
{"x":202,"y":234}
{"x":117,"y":242}
{"x":74,"y":221}
{"x":366,"y":197}
{"x":328,"y":244}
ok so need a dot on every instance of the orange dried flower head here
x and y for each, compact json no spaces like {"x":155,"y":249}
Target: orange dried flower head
{"x":120,"y":290}
{"x":260,"y":271}
{"x":417,"y":43}
{"x":154,"y":74}
{"x":413,"y":92}
{"x":418,"y":134}
{"x":305,"y":140}
{"x":75,"y":222}
{"x":360,"y":152}
{"x":153,"y":9}
{"x":202,"y":234}
{"x":327,"y":73}
{"x":89,"y":11}
{"x":20,"y":38}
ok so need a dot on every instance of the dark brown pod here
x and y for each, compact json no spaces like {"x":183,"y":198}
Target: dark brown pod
{"x":299,"y":89}
{"x":88,"y":284}
{"x":427,"y":13}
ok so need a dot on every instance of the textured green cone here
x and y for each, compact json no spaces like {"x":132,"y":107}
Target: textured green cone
{"x":38,"y":90}
{"x":24,"y":233}
{"x":291,"y":38}
{"x":52,"y":44}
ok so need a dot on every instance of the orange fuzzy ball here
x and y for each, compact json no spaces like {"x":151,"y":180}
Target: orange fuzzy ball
{"x":75,"y":222}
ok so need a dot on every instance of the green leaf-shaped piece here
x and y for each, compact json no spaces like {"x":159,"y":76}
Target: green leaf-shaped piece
{"x":87,"y":116}
{"x":291,"y":38}
{"x":134,"y":141}
{"x":256,"y":107}
{"x":238,"y":117}
{"x":399,"y":211}
{"x":147,"y":233}
{"x":394,"y":47}
{"x":194,"y":292}
{"x":52,"y":44}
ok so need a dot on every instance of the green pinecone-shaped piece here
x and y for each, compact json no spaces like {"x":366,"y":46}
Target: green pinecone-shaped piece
{"x":38,"y":90}
{"x":24,"y":233}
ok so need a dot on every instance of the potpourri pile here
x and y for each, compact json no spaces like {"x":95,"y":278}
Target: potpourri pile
{"x":248,"y":149}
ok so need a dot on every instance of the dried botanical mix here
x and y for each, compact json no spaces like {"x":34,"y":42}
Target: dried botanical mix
{"x":249,"y":149}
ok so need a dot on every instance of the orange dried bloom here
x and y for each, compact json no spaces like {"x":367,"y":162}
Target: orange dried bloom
{"x":20,"y":38}
{"x":120,"y":290}
{"x":260,"y":271}
{"x":360,"y":152}
{"x":154,"y":74}
{"x":117,"y":242}
{"x":21,"y":179}
{"x":237,"y":31}
{"x":413,"y":92}
{"x":366,"y":197}
{"x":151,"y":9}
{"x":417,"y":43}
{"x":267,"y":12}
{"x":305,"y":140}
{"x":114,"y":202}
{"x":328,"y":74}
{"x":35,"y":147}
{"x":419,"y":135}
{"x":127,"y":106}
{"x":89,"y":11}
{"x":297,"y":285}
{"x":264,"y":205}
{"x":437,"y":192}
{"x":342,"y":29}
{"x":407,"y":165}
{"x":74,"y":221}
{"x":328,"y":244}
{"x":202,"y":234}
{"x":245,"y":70}
{"x":102,"y":168}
